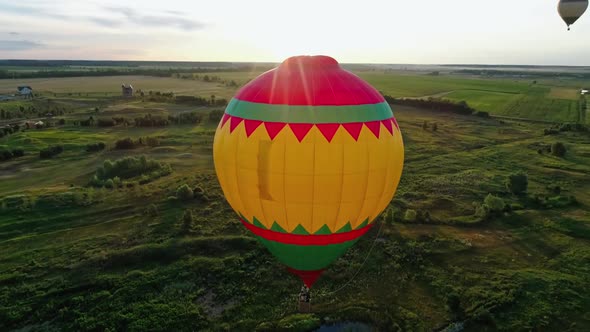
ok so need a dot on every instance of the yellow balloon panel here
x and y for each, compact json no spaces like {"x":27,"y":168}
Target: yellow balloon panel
{"x":311,"y":183}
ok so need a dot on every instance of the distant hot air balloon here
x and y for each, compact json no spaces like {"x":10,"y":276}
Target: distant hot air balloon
{"x":571,"y":10}
{"x":308,"y":155}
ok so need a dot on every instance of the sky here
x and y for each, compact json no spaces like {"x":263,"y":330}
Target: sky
{"x":364,"y":31}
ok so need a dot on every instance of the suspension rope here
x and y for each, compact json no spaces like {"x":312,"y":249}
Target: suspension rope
{"x":362,"y":265}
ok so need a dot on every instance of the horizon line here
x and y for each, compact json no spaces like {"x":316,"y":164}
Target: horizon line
{"x":342,"y":63}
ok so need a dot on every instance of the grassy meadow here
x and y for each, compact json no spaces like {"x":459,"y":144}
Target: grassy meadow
{"x":74,"y":256}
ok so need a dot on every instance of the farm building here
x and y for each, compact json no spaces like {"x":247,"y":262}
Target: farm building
{"x":25,"y":90}
{"x":584,"y":91}
{"x":127,"y":90}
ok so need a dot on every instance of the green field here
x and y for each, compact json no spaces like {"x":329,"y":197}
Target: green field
{"x":112,"y":85}
{"x":550,"y":99}
{"x":84,"y":258}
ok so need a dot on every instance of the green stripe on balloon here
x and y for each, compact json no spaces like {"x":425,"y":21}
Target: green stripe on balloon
{"x":308,"y":114}
{"x":306,"y":258}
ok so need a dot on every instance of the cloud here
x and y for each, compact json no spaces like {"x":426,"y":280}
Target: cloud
{"x":105,"y":22}
{"x":171,"y":19}
{"x":115,"y":16}
{"x":18,"y":45}
{"x":12,"y":33}
{"x":28,"y":11}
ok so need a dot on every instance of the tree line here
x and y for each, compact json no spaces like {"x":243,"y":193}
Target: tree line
{"x":437,"y":104}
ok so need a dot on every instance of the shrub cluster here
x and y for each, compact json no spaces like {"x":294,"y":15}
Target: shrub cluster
{"x":558,"y":128}
{"x":558,"y":149}
{"x":111,"y":174}
{"x":434,"y":103}
{"x":151,"y":121}
{"x":492,"y":205}
{"x":128,"y":143}
{"x":6,"y":154}
{"x":125,"y":144}
{"x":192,"y":100}
{"x":95,"y":147}
{"x":419,"y":216}
{"x":186,"y":118}
{"x":51,"y":151}
{"x":9,"y":129}
{"x":517,"y":183}
{"x":184,"y":193}
{"x":106,"y":122}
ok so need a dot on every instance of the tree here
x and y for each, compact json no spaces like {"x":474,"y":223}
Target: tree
{"x":425,"y":125}
{"x":110,"y":184}
{"x":482,"y":212}
{"x":184,"y":193}
{"x":558,"y":149}
{"x":517,"y":183}
{"x":434,"y":126}
{"x":117,"y":182}
{"x":496,"y":204}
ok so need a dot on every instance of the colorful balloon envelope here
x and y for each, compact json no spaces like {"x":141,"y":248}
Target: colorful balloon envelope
{"x":308,"y":155}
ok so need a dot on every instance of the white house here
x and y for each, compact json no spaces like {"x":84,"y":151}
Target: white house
{"x":584,"y":92}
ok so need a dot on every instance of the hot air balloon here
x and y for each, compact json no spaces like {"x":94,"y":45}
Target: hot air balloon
{"x":571,"y":10}
{"x":308,"y":155}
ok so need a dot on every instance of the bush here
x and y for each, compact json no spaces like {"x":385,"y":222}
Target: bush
{"x":109,"y":184}
{"x":186,"y":118}
{"x":5,"y":155}
{"x":434,"y":126}
{"x":517,"y":183}
{"x":200,"y":195}
{"x":496,"y":204}
{"x":106,"y":123}
{"x":117,"y":182}
{"x":184,"y":193}
{"x":18,"y":152}
{"x":558,"y":149}
{"x":438,"y":104}
{"x":151,"y":121}
{"x":550,"y":131}
{"x":51,"y":151}
{"x":95,"y":147}
{"x":125,"y":144}
{"x":152,"y":141}
{"x":410,"y":215}
{"x":482,"y":212}
{"x":423,"y":216}
{"x":130,"y":167}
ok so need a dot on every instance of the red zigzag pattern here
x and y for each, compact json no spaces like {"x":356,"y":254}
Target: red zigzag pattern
{"x":300,"y":130}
